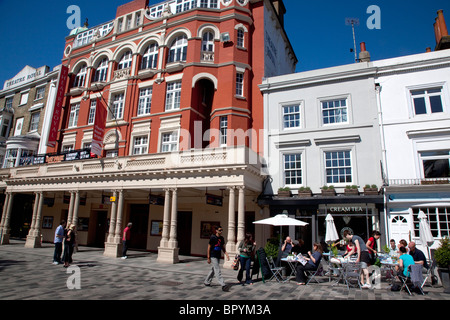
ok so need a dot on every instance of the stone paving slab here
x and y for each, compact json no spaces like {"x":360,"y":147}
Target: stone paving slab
{"x":28,"y":274}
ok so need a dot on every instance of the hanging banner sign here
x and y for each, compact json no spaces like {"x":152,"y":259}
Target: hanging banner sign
{"x":99,"y":129}
{"x":54,"y":126}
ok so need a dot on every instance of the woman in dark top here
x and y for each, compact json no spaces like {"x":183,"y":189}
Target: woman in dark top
{"x":69,"y":242}
{"x":312,"y":264}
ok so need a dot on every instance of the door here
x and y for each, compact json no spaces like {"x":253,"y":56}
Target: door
{"x":184,"y":232}
{"x":101,"y":224}
{"x":139,"y":217}
{"x":400,"y":228}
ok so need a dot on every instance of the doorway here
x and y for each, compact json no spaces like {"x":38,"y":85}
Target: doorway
{"x":100,"y":227}
{"x":139,"y":217}
{"x":184,"y":232}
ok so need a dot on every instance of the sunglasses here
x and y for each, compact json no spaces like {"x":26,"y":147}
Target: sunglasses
{"x":220,"y":230}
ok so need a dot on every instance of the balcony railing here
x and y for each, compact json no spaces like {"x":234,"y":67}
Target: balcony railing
{"x":418,"y":182}
{"x":207,"y":56}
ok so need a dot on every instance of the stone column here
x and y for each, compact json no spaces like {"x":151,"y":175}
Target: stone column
{"x":76,"y":205}
{"x":71,"y":203}
{"x":231,"y":237}
{"x":168,"y":250}
{"x":34,"y":236}
{"x":113,"y":246}
{"x":4,"y":236}
{"x":166,"y":220}
{"x":241,"y":215}
{"x":112,"y":220}
{"x":33,"y":219}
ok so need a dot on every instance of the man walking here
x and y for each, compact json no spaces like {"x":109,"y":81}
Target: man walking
{"x":58,"y":241}
{"x":215,"y":247}
{"x":126,"y":239}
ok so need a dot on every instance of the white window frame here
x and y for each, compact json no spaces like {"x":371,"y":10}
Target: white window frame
{"x":284,"y":178}
{"x":150,"y":57}
{"x":178,"y":49}
{"x":212,"y":4}
{"x":340,"y":166}
{"x":24,"y":98}
{"x":73,"y":116}
{"x":339,"y":108}
{"x":140,"y":145}
{"x":291,"y":113}
{"x":40,"y":93}
{"x":240,"y":38}
{"x":208,"y":41}
{"x":223,"y":128}
{"x":173,"y":96}
{"x":92,"y":108}
{"x":80,"y":78}
{"x":118,"y":102}
{"x":170,"y":141}
{"x":240,"y":76}
{"x":426,"y":96}
{"x":145,"y":101}
{"x":34,"y":121}
{"x":185,"y":5}
{"x":126,"y":60}
{"x":101,"y":73}
{"x":9,"y":103}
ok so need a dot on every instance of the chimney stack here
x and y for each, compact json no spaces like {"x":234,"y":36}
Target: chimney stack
{"x":364,"y":55}
{"x":441,"y":32}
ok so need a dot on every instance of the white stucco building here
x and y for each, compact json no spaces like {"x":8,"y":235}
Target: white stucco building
{"x":414,"y":103}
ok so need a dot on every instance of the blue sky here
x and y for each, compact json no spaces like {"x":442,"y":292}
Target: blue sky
{"x":32,"y":33}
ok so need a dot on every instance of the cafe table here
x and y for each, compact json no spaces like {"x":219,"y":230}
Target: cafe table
{"x":292,"y":261}
{"x":389,"y":266}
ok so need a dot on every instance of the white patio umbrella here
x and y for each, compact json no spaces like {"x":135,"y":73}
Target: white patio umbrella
{"x":331,"y":233}
{"x":281,"y":220}
{"x":426,"y":237}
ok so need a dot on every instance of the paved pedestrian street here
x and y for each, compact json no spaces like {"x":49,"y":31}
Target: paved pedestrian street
{"x":28,"y":274}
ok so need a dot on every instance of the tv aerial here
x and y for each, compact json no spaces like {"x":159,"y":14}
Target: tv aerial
{"x":353,"y":22}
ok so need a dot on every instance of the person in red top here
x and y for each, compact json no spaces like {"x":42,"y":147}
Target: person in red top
{"x":126,"y":239}
{"x":372,"y":246}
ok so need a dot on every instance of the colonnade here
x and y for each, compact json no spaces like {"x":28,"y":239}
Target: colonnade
{"x":168,"y":248}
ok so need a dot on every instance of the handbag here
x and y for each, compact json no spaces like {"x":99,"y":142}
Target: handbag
{"x":235,"y":263}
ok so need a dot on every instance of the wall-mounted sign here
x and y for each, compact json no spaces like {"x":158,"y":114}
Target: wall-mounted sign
{"x":214,"y":200}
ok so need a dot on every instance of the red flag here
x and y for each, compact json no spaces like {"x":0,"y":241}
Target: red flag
{"x":99,"y":129}
{"x":54,"y":126}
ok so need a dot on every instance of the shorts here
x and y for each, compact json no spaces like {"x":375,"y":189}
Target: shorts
{"x":365,"y":259}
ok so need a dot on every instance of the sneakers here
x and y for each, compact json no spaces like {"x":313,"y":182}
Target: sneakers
{"x":124,"y":257}
{"x":226,"y":288}
{"x":366,"y":286}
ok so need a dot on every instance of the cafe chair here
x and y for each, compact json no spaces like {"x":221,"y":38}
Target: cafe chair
{"x":276,"y":271}
{"x":313,"y":273}
{"x":405,"y":281}
{"x":429,"y":274}
{"x":352,"y":274}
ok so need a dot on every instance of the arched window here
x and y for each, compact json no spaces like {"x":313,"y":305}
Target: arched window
{"x":178,"y":49}
{"x":208,"y":42}
{"x":102,"y":70}
{"x":150,"y":57}
{"x":125,"y":60}
{"x":80,"y":78}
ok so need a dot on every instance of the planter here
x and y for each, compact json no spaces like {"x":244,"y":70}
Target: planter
{"x":371,"y":191}
{"x":305,"y":194}
{"x":351,"y":192}
{"x":284,"y":194}
{"x":328,"y":193}
{"x":445,"y":279}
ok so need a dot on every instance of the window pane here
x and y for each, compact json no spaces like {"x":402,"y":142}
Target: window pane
{"x":436,"y":104}
{"x":419,"y":106}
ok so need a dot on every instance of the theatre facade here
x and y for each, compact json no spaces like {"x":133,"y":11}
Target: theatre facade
{"x":177,"y":84}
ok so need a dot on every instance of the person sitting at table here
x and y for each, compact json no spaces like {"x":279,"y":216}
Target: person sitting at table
{"x":418,"y":256}
{"x":350,"y":250}
{"x":404,"y":262}
{"x":298,"y":247}
{"x":402,"y":243}
{"x":312,"y":264}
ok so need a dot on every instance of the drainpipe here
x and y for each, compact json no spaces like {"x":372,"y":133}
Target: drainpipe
{"x":378,"y":89}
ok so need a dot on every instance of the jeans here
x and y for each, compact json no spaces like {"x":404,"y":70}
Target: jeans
{"x":215,"y":271}
{"x":58,"y":252}
{"x":245,"y":264}
{"x":125,"y":248}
